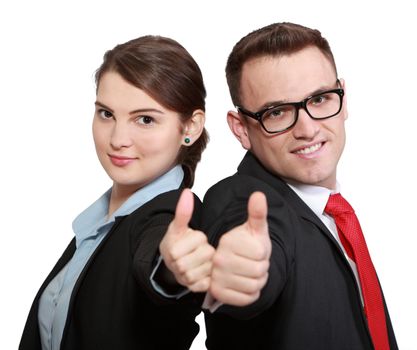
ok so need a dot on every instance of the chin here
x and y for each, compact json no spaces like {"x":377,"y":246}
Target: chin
{"x":327,"y":182}
{"x":311,"y":178}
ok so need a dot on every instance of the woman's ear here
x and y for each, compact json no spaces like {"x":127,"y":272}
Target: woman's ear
{"x":194,"y":127}
{"x":239,"y":128}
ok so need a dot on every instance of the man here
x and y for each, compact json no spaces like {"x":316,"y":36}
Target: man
{"x":291,"y":272}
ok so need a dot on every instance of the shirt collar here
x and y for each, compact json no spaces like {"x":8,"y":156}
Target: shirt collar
{"x":167,"y":182}
{"x":89,"y":222}
{"x":315,"y":197}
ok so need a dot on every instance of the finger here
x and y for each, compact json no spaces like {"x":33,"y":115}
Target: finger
{"x":257,"y":213}
{"x":243,"y":243}
{"x":183,"y":211}
{"x":192,"y":276}
{"x":200,"y":286}
{"x":189,"y":242}
{"x":232,"y":297}
{"x":203,"y":254}
{"x":239,"y":265}
{"x":239,"y":284}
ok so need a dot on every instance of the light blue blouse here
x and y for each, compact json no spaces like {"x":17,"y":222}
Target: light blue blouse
{"x":90,"y":227}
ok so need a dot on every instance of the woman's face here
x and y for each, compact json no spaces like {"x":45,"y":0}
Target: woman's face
{"x":136,"y":139}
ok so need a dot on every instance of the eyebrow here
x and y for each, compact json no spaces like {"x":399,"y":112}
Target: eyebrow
{"x":279,"y":102}
{"x":140,"y":110}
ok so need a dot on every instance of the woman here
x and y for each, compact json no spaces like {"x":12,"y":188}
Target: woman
{"x":149,"y":134}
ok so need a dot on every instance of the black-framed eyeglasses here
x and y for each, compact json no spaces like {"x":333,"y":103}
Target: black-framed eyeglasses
{"x":282,"y":117}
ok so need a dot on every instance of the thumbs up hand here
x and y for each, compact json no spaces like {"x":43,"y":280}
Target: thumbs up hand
{"x":241,"y":260}
{"x":186,"y":252}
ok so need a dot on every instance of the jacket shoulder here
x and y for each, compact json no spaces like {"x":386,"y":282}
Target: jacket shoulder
{"x":163,"y":206}
{"x":235,"y":188}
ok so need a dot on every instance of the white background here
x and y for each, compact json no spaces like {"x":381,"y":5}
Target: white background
{"x":49,"y":171}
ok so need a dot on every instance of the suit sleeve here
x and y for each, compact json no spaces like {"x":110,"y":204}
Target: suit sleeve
{"x":147,"y":266}
{"x":225,"y":207}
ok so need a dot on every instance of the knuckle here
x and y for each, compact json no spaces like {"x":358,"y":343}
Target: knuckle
{"x":206,"y":284}
{"x":255,"y":296}
{"x":261,"y":269}
{"x":246,"y":299}
{"x":252,"y":286}
{"x":260,"y":284}
{"x":250,"y":298}
{"x":195,"y":288}
{"x":189,"y":277}
{"x":218,"y":260}
{"x":181,"y":281}
{"x":208,"y":252}
{"x":180,"y":267}
{"x":264,"y":280}
{"x":211,"y":250}
{"x":174,"y":252}
{"x":201,"y":236}
{"x":215,"y":274}
{"x":259,"y":252}
{"x":200,"y":286}
{"x":171,"y":252}
{"x":215,"y":290}
{"x":266,"y":266}
{"x":225,"y":240}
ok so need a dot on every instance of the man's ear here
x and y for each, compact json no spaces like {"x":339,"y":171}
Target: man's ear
{"x":239,"y":128}
{"x":194,"y":127}
{"x":345,"y":110}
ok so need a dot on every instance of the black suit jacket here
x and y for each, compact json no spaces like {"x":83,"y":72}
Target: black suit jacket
{"x":110,"y":306}
{"x":311,"y":300}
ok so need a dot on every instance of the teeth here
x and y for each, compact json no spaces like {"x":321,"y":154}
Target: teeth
{"x":311,"y":149}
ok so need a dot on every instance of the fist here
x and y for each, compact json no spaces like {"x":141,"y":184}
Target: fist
{"x":241,"y":260}
{"x":186,"y":252}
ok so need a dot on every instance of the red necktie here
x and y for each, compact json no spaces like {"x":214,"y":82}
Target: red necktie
{"x":352,"y":238}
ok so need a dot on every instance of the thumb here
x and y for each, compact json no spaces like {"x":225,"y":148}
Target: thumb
{"x":183,"y":211}
{"x":257,"y":213}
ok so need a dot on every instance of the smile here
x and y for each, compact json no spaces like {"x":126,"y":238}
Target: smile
{"x":309,"y":150}
{"x":120,"y":161}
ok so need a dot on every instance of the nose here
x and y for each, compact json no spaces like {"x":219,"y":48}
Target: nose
{"x":306,"y":127}
{"x":120,"y":136}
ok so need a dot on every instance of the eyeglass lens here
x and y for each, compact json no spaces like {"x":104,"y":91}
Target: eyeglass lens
{"x":319,"y":106}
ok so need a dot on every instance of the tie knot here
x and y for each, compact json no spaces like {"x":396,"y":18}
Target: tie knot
{"x":337,"y":205}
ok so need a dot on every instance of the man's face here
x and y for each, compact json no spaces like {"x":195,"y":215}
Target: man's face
{"x":309,"y":152}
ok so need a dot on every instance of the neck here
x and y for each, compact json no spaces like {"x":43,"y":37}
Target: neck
{"x":119,"y":195}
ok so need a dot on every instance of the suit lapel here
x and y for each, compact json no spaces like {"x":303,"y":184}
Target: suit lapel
{"x":161,"y":200}
{"x":252,"y":167}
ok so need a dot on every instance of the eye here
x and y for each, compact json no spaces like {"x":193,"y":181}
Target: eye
{"x":105,"y":114}
{"x":145,"y":120}
{"x":277,"y":112}
{"x":317,"y":100}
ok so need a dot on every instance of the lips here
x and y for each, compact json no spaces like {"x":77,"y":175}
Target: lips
{"x":120,"y":160}
{"x":308,"y":150}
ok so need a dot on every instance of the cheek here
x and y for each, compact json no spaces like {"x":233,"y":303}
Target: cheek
{"x":270,"y":149}
{"x":338,"y":131}
{"x":101,"y":136}
{"x":97,"y":135}
{"x":276,"y":144}
{"x":158,"y":142}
